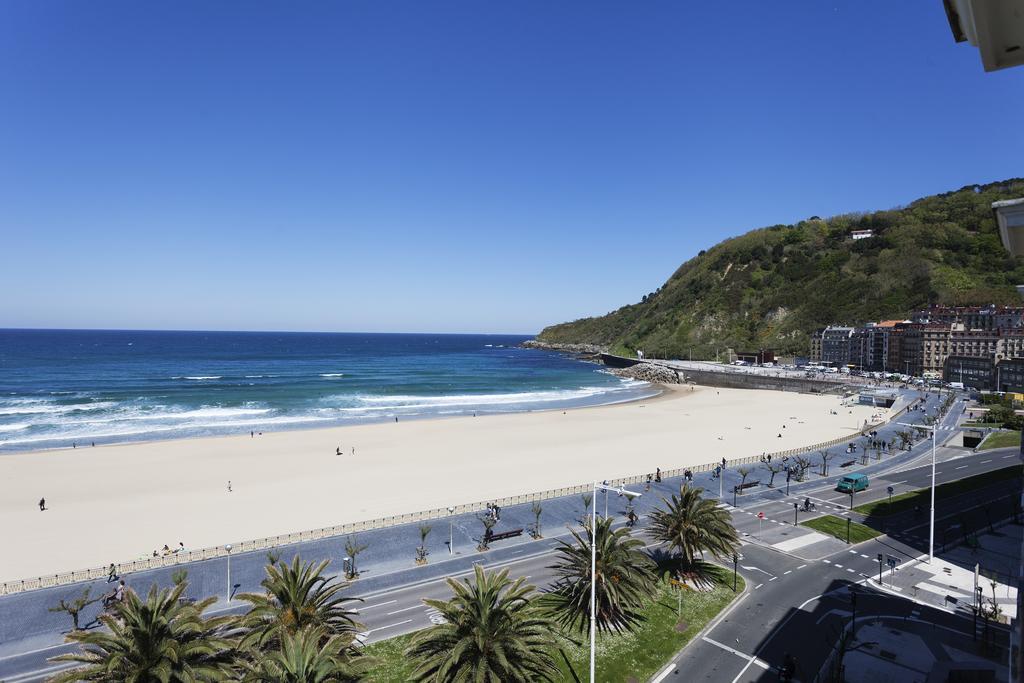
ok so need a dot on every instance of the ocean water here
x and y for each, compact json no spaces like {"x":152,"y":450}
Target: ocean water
{"x":65,"y":387}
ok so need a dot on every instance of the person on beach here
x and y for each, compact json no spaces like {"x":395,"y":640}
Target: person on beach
{"x":181,"y":547}
{"x":42,"y":504}
{"x":229,"y":486}
{"x":353,"y":450}
{"x":337,"y":451}
{"x":252,"y":435}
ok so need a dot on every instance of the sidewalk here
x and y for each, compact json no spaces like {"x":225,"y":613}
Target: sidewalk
{"x":908,"y":650}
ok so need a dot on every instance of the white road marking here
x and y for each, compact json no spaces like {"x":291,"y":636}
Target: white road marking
{"x":379,"y":604}
{"x":801,"y":566}
{"x":405,"y":609}
{"x":749,"y":658}
{"x":381,"y":628}
{"x":962,"y":467}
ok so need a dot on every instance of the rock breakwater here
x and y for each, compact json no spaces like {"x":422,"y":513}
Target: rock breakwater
{"x":649,"y":372}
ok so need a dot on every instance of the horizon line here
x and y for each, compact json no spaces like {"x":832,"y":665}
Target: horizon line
{"x":128,"y":329}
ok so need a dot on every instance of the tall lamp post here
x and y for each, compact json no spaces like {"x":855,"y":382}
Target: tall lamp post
{"x":931,"y":522}
{"x":228,"y":548}
{"x":451,"y":532}
{"x":593,"y":563}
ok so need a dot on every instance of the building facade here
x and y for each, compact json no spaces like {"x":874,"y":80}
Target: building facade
{"x":835,"y":346}
{"x":922,"y":345}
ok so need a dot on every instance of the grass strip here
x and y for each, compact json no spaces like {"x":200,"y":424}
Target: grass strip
{"x":837,"y":526}
{"x":921,"y":497}
{"x":620,"y":657}
{"x":1000,"y":440}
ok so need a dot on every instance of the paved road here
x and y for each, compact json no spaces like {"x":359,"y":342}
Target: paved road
{"x":393,"y":595}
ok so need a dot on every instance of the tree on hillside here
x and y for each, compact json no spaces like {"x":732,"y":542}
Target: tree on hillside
{"x":773,"y":286}
{"x":624,"y":579}
{"x":493,"y":631}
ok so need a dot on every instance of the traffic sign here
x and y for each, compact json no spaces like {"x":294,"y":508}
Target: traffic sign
{"x":889,"y":489}
{"x":760,"y":515}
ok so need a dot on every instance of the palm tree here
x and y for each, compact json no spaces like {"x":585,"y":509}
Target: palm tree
{"x":493,"y":632}
{"x":297,"y":597}
{"x":694,"y":525}
{"x":306,"y":656}
{"x":625,"y":579}
{"x":159,"y":639}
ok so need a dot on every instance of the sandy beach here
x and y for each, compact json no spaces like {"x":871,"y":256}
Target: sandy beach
{"x":117,"y":503}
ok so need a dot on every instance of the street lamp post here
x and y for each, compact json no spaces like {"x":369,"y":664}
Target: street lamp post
{"x":735,"y":562}
{"x":931,"y":523}
{"x":228,"y":548}
{"x":593,"y":564}
{"x":451,"y":531}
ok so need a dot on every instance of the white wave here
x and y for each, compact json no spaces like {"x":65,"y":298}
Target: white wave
{"x":402,"y":401}
{"x":270,"y":421}
{"x":201,"y":413}
{"x":14,"y":427}
{"x":332,"y":375}
{"x":199,"y":377}
{"x":84,"y":437}
{"x":37,"y":408}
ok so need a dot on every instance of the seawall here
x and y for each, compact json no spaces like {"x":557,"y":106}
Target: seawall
{"x":734,"y":380}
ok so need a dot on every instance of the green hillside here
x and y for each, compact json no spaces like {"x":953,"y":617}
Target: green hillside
{"x":771,"y":287}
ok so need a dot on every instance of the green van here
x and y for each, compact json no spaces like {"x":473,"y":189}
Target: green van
{"x":852,"y":482}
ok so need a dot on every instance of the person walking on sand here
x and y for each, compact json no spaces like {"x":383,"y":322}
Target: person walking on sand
{"x":42,"y":504}
{"x":229,"y":486}
{"x":337,"y":451}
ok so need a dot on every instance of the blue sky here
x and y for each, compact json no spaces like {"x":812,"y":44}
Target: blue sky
{"x":452,"y":166}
